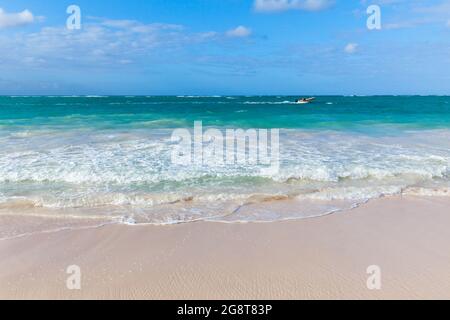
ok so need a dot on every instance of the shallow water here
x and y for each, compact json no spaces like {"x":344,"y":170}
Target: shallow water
{"x":110,"y":157}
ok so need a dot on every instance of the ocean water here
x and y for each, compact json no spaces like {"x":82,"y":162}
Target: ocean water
{"x":109,"y":158}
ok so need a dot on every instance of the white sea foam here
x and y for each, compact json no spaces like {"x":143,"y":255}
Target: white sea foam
{"x":270,"y":102}
{"x":131,"y":175}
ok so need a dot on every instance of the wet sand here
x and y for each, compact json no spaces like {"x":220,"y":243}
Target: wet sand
{"x":319,"y":258}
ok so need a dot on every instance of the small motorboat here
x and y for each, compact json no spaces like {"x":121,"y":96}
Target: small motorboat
{"x":304,"y":100}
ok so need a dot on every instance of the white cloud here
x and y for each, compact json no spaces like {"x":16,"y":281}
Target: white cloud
{"x":284,"y":5}
{"x":351,"y":48}
{"x":8,"y":20}
{"x":100,"y":43}
{"x":239,"y":32}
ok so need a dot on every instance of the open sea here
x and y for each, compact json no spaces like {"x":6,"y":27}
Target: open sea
{"x":109,"y":157}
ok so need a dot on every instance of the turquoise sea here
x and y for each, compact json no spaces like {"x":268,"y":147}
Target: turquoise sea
{"x":110,"y":157}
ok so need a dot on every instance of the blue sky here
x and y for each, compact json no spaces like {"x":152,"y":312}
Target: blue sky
{"x":225,"y":47}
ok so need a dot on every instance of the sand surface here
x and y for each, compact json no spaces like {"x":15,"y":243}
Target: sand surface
{"x":320,"y":258}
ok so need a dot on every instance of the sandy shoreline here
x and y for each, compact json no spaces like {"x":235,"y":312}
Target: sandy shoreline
{"x":321,"y":258}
